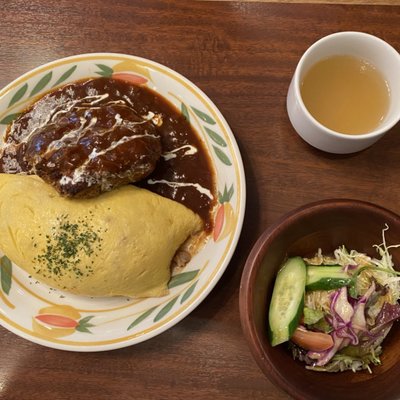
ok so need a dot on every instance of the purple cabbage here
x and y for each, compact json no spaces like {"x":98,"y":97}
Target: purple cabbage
{"x":348,"y":323}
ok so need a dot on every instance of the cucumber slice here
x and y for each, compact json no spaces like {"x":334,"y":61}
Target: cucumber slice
{"x":287,"y":300}
{"x":326,"y":277}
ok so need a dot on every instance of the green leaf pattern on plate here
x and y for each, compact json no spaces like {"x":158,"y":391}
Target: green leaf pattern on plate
{"x":226,"y":195}
{"x":6,"y":274}
{"x":42,"y":83}
{"x":176,"y":280}
{"x":65,"y":75}
{"x":166,"y":309}
{"x":188,"y":293}
{"x":185,"y":111}
{"x":105,"y":70}
{"x":9,"y":118}
{"x":222,"y":156}
{"x":84,"y":324}
{"x":182,"y":278}
{"x":203,"y":116}
{"x":19,"y":94}
{"x":215,"y":137}
{"x":141,"y":318}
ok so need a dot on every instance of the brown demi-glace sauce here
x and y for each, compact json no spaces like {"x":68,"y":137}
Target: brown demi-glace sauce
{"x":183,"y":173}
{"x":191,"y":166}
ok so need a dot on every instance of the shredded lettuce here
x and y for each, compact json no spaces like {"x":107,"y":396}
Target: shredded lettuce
{"x":341,"y":362}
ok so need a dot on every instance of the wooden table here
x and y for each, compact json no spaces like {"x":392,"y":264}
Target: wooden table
{"x":243,"y":56}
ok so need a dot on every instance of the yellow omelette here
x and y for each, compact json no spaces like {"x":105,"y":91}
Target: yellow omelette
{"x":119,"y":243}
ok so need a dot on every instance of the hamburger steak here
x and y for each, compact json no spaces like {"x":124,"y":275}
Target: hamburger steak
{"x":84,"y":138}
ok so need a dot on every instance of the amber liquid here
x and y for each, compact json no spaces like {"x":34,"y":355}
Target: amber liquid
{"x":346,"y":94}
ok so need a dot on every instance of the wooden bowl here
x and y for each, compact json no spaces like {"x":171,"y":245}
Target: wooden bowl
{"x":326,"y":224}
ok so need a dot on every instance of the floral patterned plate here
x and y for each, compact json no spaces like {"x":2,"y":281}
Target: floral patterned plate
{"x":64,"y":321}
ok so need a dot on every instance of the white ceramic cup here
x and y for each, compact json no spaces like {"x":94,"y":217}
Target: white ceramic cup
{"x":361,"y":45}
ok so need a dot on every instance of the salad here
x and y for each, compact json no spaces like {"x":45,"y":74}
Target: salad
{"x":335,"y":311}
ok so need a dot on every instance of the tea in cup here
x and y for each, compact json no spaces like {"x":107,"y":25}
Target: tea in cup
{"x":345,"y":92}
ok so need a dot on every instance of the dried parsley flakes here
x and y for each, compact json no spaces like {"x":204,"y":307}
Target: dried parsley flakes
{"x":66,"y":244}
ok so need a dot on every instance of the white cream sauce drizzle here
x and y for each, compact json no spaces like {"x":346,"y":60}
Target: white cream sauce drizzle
{"x":53,"y":112}
{"x":55,"y":108}
{"x":128,"y":100}
{"x":80,"y":173}
{"x":197,"y":186}
{"x":75,"y":133}
{"x":113,"y":145}
{"x":172,"y":154}
{"x":51,"y":109}
{"x":82,"y":129}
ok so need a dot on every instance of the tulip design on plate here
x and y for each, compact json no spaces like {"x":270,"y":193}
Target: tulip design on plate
{"x":59,"y":321}
{"x":127,"y":71}
{"x":225,"y":219}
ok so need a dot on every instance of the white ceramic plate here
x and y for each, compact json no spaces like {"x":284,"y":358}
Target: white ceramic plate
{"x":64,"y":321}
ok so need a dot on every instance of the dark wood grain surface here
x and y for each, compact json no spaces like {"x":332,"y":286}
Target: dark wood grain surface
{"x":242,"y":55}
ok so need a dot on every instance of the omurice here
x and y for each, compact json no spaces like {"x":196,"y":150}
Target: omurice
{"x":121,"y":243}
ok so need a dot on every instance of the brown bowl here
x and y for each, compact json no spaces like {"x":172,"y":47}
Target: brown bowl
{"x":326,"y":225}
